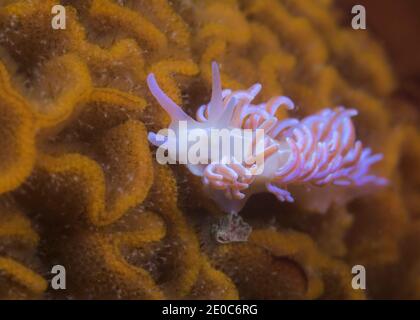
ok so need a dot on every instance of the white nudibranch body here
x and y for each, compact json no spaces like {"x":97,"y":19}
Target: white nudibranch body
{"x":264,"y":153}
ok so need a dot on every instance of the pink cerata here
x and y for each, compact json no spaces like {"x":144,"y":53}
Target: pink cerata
{"x":319,"y":150}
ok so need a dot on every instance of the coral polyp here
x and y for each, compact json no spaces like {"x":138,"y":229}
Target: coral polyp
{"x":318,"y":150}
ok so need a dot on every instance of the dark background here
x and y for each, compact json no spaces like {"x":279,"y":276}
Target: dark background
{"x":396,"y":23}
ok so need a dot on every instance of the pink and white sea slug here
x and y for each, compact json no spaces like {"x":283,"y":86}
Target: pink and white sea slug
{"x":320,"y":150}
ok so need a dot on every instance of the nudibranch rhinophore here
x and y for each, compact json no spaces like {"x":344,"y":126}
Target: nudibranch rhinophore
{"x":319,"y":150}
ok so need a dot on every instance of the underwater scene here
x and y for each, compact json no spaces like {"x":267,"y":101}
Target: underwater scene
{"x":209,"y":149}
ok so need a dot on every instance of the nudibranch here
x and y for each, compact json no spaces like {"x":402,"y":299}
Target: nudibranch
{"x":318,"y":150}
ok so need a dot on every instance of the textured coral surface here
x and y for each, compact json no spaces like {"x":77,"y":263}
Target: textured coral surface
{"x":80,"y":187}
